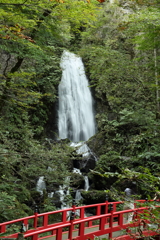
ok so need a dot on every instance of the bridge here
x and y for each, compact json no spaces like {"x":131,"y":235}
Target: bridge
{"x":107,"y":221}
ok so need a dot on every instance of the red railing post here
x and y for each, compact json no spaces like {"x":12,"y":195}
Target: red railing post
{"x":106,"y":207}
{"x":59,"y":234}
{"x":82,"y":213}
{"x":90,"y":223}
{"x":3,"y":229}
{"x":36,"y":217}
{"x":72,"y":215}
{"x":54,"y":232}
{"x":71,"y":226}
{"x":64,"y":216}
{"x":25,"y":225}
{"x":35,"y":237}
{"x":81,"y":229}
{"x":98,"y":212}
{"x":111,"y":220}
{"x":57,"y":229}
{"x":120,"y":220}
{"x":102,"y":224}
{"x":45,"y":220}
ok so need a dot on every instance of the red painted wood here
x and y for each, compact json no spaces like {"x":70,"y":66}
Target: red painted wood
{"x":64,"y":216}
{"x":83,"y":223}
{"x":81,"y":229}
{"x":59,"y":234}
{"x":71,"y":228}
{"x":82,"y":213}
{"x":102,"y":224}
{"x":3,"y":228}
{"x":98,"y":212}
{"x":45,"y":220}
{"x":120,"y":219}
{"x":90,"y":223}
{"x":35,"y":237}
{"x":54,"y":232}
{"x":111,"y":224}
{"x":35,"y":220}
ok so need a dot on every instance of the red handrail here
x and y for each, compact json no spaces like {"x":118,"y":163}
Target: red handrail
{"x":108,"y":223}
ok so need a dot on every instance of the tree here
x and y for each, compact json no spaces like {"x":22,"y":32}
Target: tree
{"x":30,"y":30}
{"x":122,"y":72}
{"x":33,"y":35}
{"x":145,"y":26}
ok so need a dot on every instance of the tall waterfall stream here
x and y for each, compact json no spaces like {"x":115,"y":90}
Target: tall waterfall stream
{"x":75,"y":115}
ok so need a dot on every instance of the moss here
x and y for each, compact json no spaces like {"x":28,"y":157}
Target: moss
{"x":97,"y":144}
{"x":77,"y":180}
{"x":94,"y":196}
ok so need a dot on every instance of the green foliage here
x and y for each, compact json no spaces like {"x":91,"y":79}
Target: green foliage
{"x":120,"y":60}
{"x":33,"y":36}
{"x":119,"y":78}
{"x":20,"y":171}
{"x":94,"y":196}
{"x":135,"y":137}
{"x":77,"y":180}
{"x":9,"y":206}
{"x":118,"y":45}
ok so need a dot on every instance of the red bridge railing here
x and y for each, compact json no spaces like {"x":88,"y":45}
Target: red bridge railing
{"x":71,"y":223}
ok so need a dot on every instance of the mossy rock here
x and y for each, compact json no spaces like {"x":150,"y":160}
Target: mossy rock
{"x":97,"y":144}
{"x":100,"y":183}
{"x":94,"y":196}
{"x":77,"y":180}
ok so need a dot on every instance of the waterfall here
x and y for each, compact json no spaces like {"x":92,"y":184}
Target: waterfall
{"x":78,"y":195}
{"x":76,"y":170}
{"x":41,"y":185}
{"x":75,"y":115}
{"x":86,"y":186}
{"x":81,"y":148}
{"x":63,"y":192}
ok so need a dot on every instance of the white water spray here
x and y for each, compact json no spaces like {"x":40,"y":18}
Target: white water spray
{"x":41,"y":185}
{"x":78,"y":195}
{"x":75,"y":115}
{"x":86,"y":186}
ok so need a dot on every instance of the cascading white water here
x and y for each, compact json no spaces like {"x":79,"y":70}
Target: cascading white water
{"x":41,"y":185}
{"x":63,"y":192}
{"x":76,"y":170}
{"x":78,"y":195}
{"x":86,"y":180}
{"x":75,"y":115}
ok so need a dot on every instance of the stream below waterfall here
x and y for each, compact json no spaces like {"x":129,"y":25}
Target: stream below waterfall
{"x":63,"y":189}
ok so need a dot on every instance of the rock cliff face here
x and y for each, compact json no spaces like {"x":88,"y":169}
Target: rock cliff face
{"x":7,"y":62}
{"x":84,"y":164}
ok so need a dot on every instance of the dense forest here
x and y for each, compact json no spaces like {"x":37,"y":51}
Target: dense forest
{"x":119,"y":43}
